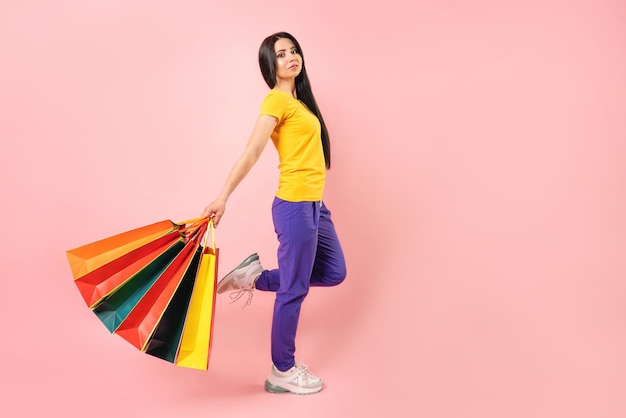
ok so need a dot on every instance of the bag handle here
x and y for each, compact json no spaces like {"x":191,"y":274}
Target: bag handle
{"x":192,"y":225}
{"x":195,"y":233}
{"x":193,"y":221}
{"x":211,"y":228}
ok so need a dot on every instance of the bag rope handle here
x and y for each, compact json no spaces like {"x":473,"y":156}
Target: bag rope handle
{"x":192,"y":225}
{"x":200,"y":219}
{"x":195,"y":234}
{"x":210,"y":227}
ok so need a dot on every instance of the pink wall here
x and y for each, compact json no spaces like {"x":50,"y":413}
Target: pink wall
{"x":478,"y":188}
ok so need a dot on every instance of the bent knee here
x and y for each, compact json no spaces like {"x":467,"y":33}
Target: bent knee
{"x":336,"y":277}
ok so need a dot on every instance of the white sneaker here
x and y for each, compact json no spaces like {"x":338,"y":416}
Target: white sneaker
{"x":241,"y":280}
{"x":298,"y":380}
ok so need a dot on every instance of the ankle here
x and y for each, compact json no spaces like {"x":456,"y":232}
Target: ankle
{"x":283,"y":373}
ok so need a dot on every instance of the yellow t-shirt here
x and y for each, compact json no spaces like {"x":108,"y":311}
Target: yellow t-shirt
{"x":297,"y":138}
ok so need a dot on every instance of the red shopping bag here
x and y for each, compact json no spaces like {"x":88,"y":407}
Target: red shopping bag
{"x":142,"y":321}
{"x":101,"y":282}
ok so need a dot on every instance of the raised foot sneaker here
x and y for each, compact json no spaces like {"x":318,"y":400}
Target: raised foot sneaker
{"x":241,"y":280}
{"x":298,"y":380}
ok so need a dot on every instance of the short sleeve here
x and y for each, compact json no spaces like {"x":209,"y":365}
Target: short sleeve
{"x":275,"y":105}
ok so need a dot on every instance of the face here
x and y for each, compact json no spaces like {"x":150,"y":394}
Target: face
{"x":288,"y":59}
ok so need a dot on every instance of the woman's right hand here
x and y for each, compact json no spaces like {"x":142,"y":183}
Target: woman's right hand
{"x":215,"y":210}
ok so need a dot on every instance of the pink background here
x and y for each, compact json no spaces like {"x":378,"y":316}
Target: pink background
{"x":479,"y":189}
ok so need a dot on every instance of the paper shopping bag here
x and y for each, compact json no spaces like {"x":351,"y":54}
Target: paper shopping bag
{"x":195,"y":345}
{"x":89,"y":257}
{"x":166,"y":338}
{"x":101,"y":282}
{"x":156,"y":290}
{"x":142,"y":320}
{"x":115,"y":308}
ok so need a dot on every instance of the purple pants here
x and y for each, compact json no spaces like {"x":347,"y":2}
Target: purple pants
{"x":309,"y":254}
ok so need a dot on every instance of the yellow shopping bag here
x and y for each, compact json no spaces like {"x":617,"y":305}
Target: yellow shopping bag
{"x":195,"y":345}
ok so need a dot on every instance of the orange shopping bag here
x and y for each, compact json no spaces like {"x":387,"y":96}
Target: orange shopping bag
{"x":89,"y":257}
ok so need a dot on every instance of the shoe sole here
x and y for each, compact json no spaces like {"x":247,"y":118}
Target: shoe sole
{"x":271,"y":388}
{"x":244,"y":263}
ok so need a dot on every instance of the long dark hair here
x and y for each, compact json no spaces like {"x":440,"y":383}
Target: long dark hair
{"x":267,"y":62}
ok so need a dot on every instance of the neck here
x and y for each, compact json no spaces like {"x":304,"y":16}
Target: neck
{"x":288,"y":86}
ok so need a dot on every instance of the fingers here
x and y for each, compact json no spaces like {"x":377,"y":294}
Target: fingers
{"x":213,"y":212}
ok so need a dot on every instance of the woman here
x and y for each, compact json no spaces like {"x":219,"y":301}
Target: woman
{"x":309,"y":253}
